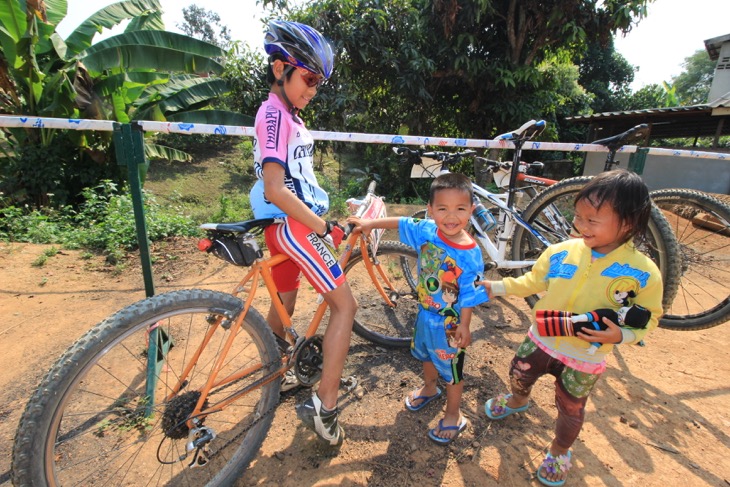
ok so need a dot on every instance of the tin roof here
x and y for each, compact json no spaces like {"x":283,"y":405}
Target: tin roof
{"x":671,"y":122}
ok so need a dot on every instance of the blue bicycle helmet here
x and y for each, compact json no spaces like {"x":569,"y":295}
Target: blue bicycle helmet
{"x":301,"y":46}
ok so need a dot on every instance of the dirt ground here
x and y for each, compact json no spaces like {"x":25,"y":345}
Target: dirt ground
{"x":658,"y":417}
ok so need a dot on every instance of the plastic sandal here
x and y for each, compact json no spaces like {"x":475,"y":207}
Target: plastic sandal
{"x":552,"y":464}
{"x":424,"y":400}
{"x":445,"y":441}
{"x":496,"y":408}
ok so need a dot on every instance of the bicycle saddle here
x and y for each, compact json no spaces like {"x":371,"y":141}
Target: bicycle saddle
{"x":240,"y":227}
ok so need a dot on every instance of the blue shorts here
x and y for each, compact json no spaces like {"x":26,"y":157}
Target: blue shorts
{"x":430,"y":344}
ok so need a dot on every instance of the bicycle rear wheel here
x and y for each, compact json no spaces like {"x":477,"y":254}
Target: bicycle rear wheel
{"x":375,"y":320}
{"x":100,"y":416}
{"x":701,"y":224}
{"x":552,"y":212}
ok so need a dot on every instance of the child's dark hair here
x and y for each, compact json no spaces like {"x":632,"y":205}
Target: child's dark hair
{"x":450,"y":181}
{"x":270,"y":78}
{"x":627,"y":194}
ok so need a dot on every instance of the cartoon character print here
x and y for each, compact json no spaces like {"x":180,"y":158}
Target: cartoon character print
{"x":622,"y":297}
{"x":438,"y":288}
{"x":450,"y":295}
{"x":448,"y":277}
{"x":428,"y":281}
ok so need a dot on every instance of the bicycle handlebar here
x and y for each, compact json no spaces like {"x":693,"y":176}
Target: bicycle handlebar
{"x":508,"y":164}
{"x":413,"y":156}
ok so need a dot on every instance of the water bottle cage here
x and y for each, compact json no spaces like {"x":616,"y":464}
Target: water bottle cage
{"x":484,"y":218}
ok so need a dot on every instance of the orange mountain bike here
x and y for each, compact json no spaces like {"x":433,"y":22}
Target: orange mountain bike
{"x":179,"y":388}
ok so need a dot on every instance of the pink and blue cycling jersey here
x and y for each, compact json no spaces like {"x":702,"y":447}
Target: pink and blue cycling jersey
{"x":281,"y":140}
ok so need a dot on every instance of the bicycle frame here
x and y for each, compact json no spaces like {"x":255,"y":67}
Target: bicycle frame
{"x":509,"y":217}
{"x":371,"y":207}
{"x":429,"y":165}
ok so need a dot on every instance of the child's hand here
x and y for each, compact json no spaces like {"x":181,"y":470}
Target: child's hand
{"x":462,"y":337}
{"x":487,"y":285}
{"x":359,"y":225}
{"x":610,"y":335}
{"x":337,"y":233}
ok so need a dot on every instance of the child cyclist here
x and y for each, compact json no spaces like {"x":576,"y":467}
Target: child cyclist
{"x":449,"y":268}
{"x":300,"y":59}
{"x":577,"y":276}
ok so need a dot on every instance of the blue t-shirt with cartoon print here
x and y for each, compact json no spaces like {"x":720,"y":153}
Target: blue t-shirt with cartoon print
{"x":447,"y":272}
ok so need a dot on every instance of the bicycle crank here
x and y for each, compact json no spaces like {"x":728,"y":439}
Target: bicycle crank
{"x":308,"y":361}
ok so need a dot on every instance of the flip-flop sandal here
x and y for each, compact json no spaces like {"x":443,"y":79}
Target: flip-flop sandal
{"x":499,"y":404}
{"x":445,"y":441}
{"x":552,"y":464}
{"x":424,"y":400}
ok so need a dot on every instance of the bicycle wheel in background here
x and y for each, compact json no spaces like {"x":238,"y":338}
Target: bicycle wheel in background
{"x":552,"y":212}
{"x":88,"y":423}
{"x":701,"y":224}
{"x":375,"y":320}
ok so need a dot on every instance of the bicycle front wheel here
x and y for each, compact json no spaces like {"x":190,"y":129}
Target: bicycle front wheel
{"x":552,"y":212}
{"x":701,"y":224}
{"x":108,"y":412}
{"x":376,"y":320}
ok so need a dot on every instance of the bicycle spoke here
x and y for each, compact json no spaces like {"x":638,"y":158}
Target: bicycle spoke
{"x":375,"y":319}
{"x":99,"y":428}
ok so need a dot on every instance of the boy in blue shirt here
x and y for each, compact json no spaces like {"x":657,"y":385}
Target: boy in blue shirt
{"x":449,"y":265}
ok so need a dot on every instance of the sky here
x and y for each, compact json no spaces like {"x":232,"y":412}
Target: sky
{"x":672,"y":31}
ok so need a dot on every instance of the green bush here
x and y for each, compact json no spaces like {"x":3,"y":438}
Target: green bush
{"x":104,"y":222}
{"x":233,"y":209}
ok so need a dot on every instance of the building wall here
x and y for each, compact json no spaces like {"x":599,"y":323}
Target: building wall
{"x":721,"y":79}
{"x":660,"y":172}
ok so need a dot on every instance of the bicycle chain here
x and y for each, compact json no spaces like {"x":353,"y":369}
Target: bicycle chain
{"x":254,"y":422}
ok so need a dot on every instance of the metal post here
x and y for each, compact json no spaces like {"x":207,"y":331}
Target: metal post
{"x":129,"y":146}
{"x":637,"y":160}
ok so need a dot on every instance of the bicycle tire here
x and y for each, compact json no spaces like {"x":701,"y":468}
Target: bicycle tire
{"x":701,"y":224}
{"x":659,"y":242}
{"x":375,"y":320}
{"x":86,"y":423}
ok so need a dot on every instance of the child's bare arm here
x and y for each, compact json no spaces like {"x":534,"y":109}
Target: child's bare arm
{"x":365,"y":225}
{"x":277,"y":192}
{"x":462,"y":337}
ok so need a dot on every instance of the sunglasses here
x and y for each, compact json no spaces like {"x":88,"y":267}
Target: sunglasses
{"x":310,"y":79}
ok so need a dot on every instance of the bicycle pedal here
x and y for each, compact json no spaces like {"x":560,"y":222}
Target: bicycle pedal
{"x":350,"y":383}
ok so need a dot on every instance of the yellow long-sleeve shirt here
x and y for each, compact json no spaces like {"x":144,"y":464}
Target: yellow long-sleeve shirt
{"x":572,"y":281}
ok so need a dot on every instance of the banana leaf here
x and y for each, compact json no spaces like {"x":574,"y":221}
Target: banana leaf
{"x":107,"y":17}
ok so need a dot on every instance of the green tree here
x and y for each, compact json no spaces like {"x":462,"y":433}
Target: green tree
{"x":245,"y":74}
{"x":692,"y":86}
{"x":471,"y":65}
{"x":466,"y":69}
{"x":607,"y":75}
{"x":143,"y":73}
{"x":205,"y":25}
{"x":649,"y":96}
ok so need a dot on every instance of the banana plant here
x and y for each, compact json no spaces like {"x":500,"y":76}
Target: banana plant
{"x":143,"y":72}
